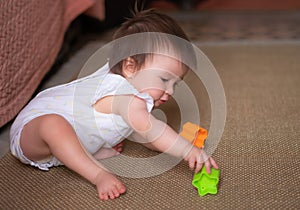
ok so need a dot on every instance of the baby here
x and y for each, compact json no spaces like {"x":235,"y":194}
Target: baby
{"x":50,"y":132}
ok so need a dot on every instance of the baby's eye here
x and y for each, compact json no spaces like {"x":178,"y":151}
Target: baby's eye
{"x":164,"y":79}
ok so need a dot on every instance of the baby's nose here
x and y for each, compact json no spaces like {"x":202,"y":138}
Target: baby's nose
{"x":170,"y":90}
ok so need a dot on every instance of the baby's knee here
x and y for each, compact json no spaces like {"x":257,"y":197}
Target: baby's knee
{"x":53,"y":123}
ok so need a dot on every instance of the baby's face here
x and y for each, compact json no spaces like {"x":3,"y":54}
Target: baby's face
{"x":158,"y":77}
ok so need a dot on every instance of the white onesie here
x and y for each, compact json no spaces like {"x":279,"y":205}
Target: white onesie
{"x":74,"y":101}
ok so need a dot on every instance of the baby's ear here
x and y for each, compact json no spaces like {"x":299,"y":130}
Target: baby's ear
{"x":129,"y":67}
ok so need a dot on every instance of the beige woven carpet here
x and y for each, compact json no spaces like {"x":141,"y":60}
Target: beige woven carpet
{"x":258,"y":154}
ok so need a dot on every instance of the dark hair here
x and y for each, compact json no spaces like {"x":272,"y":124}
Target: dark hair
{"x":150,"y":20}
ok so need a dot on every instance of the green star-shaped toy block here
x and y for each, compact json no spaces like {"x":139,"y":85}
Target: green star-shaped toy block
{"x":206,"y":183}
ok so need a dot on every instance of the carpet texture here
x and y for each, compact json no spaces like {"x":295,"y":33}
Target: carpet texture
{"x":259,"y":153}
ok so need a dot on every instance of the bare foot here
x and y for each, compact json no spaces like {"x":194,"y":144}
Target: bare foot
{"x":119,"y":147}
{"x":108,"y":186}
{"x":105,"y":153}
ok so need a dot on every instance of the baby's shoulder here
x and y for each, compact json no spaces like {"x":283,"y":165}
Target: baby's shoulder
{"x":114,"y":78}
{"x":119,"y":84}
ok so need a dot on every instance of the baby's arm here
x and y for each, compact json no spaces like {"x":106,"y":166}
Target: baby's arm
{"x":159,"y":135}
{"x":193,"y":157}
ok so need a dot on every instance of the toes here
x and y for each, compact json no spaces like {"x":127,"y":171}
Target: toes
{"x":103,"y":196}
{"x":114,"y":193}
{"x":111,"y":195}
{"x":119,"y":147}
{"x":121,"y":188}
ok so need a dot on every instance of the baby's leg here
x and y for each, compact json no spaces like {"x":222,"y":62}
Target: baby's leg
{"x":52,"y":135}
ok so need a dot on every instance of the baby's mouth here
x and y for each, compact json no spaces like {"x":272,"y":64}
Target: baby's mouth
{"x":161,"y":101}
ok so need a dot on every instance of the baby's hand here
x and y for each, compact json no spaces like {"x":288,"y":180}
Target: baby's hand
{"x":197,"y":157}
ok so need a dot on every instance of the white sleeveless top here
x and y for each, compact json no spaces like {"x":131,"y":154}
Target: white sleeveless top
{"x":74,"y":101}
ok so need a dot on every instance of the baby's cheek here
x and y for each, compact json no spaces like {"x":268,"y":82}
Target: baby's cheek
{"x":156,"y":103}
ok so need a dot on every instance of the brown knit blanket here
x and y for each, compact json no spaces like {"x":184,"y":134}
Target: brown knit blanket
{"x":31,"y":35}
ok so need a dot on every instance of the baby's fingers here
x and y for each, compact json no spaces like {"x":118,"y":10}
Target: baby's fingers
{"x":192,"y":162}
{"x":210,"y":163}
{"x":207,"y":166}
{"x":213,"y":163}
{"x":198,"y":167}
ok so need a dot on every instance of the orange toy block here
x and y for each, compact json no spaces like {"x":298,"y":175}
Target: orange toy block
{"x":194,"y":133}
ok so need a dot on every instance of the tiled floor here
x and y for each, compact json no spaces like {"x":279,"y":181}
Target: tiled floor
{"x":204,"y":27}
